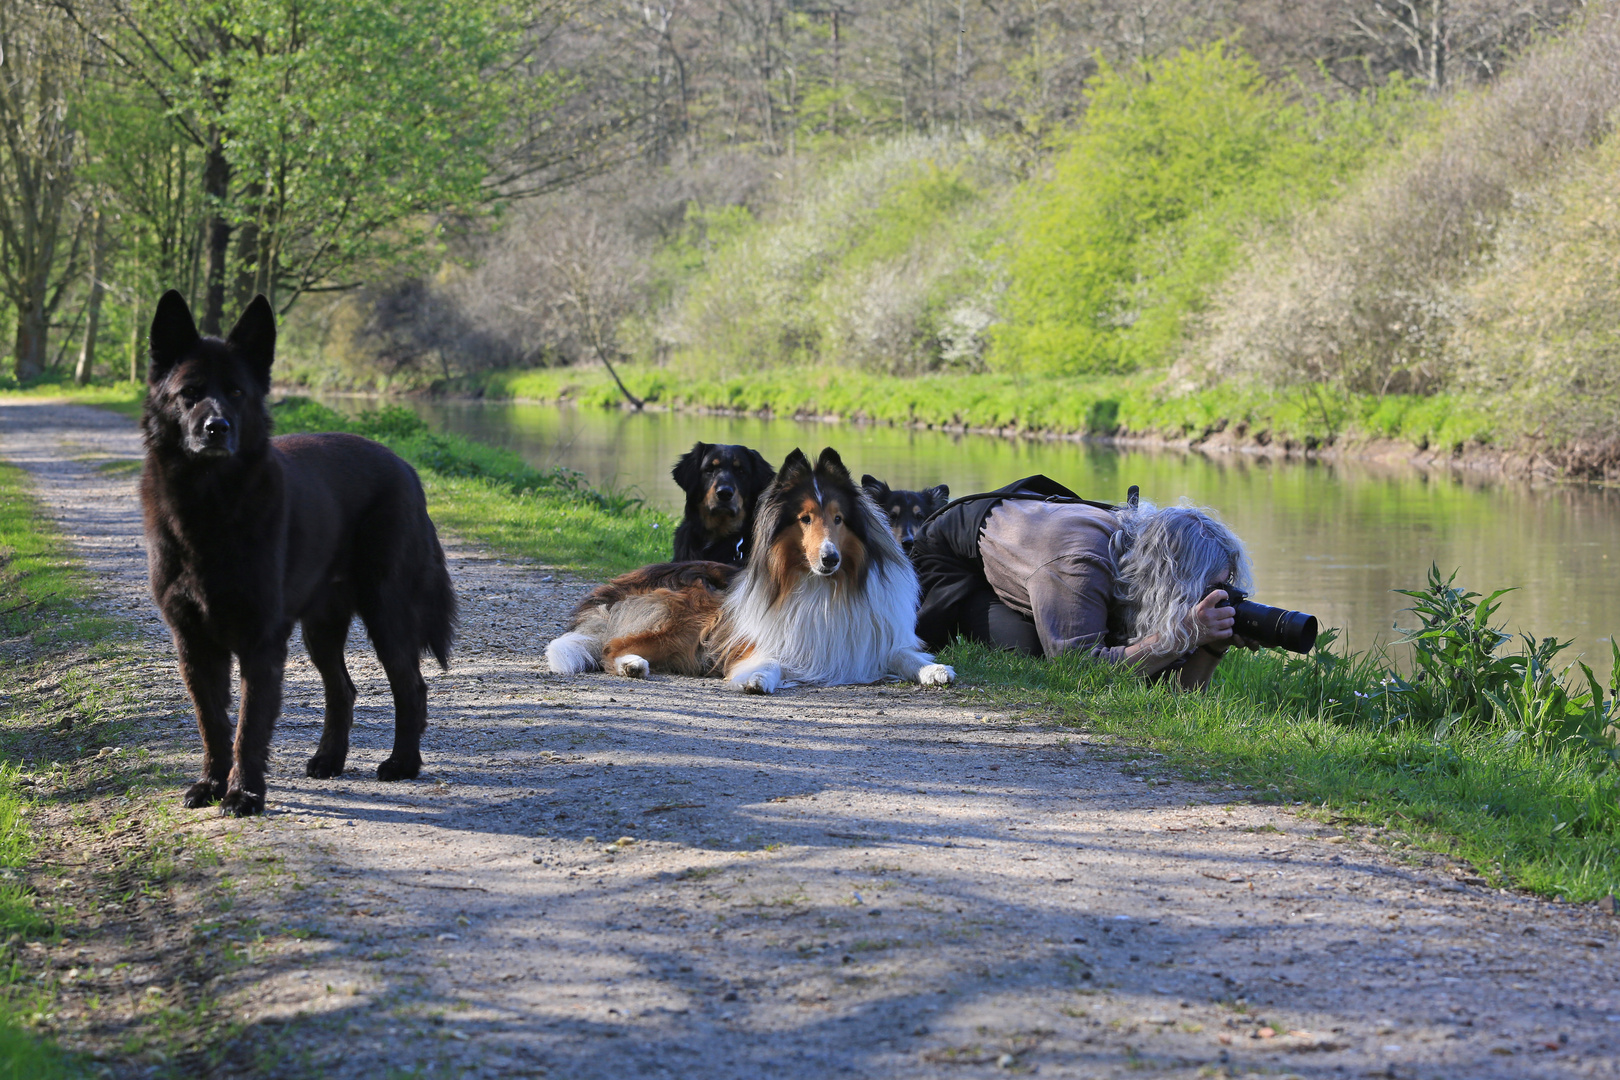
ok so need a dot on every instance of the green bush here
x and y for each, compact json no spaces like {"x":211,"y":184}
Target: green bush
{"x":1176,"y":164}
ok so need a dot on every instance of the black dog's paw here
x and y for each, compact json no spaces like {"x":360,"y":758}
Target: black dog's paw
{"x":324,"y":767}
{"x":204,"y":792}
{"x":240,"y":803}
{"x":397,"y":769}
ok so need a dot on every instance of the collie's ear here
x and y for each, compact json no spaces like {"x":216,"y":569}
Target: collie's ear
{"x":875,"y":487}
{"x":763,"y":471}
{"x":174,"y":332}
{"x":795,"y":469}
{"x":832,"y":465}
{"x":938,"y":495}
{"x":254,"y":338}
{"x":688,"y":471}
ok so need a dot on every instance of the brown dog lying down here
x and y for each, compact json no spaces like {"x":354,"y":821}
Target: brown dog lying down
{"x":827,"y":598}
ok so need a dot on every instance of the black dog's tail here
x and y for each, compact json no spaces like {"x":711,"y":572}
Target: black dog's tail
{"x":438,"y":610}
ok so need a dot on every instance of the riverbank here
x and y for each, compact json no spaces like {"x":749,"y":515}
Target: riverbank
{"x":1439,"y":431}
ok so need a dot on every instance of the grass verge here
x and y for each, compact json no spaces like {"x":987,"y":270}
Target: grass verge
{"x":1271,"y":729}
{"x":492,"y":497}
{"x":119,"y":395}
{"x":101,"y":876}
{"x":1115,"y":405}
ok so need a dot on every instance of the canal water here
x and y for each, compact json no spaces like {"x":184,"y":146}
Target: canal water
{"x":1331,"y":538}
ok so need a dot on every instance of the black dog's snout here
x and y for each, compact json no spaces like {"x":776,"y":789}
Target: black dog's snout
{"x":724,"y":492}
{"x":905,"y":545}
{"x":217,"y":427}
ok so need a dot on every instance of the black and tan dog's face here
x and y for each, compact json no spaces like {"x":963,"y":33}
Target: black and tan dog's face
{"x":905,"y":509}
{"x":722,"y":482}
{"x":206,"y":396}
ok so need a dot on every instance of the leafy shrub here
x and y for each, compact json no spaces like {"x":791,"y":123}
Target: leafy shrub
{"x":1368,"y":292}
{"x":878,"y":264}
{"x":1543,"y":337}
{"x":1175,"y":164}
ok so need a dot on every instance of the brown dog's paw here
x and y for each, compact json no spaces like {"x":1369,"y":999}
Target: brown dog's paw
{"x":204,"y":792}
{"x":324,"y":767}
{"x":240,"y":803}
{"x":397,"y":769}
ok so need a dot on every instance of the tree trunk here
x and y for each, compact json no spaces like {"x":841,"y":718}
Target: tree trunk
{"x":217,"y":189}
{"x":32,"y":325}
{"x":1437,"y":47}
{"x":98,"y":258}
{"x":247,"y":248}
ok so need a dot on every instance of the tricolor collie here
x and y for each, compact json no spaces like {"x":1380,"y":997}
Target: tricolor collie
{"x":826,"y":598}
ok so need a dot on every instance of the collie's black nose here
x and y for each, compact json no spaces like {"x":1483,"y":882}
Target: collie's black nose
{"x":829,"y":561}
{"x":217,"y":427}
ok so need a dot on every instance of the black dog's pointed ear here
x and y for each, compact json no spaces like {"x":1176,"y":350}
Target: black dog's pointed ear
{"x":254,"y":338}
{"x":764,"y":471}
{"x":688,"y":471}
{"x":939,"y":495}
{"x":833,"y":465}
{"x":874,"y":487}
{"x":795,"y":468}
{"x":174,"y":331}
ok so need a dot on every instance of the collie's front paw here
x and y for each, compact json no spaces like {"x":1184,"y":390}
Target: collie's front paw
{"x":758,"y":683}
{"x":632,"y":666}
{"x":936,"y":675}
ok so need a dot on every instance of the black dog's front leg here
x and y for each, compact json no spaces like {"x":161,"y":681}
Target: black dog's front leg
{"x":262,"y":671}
{"x":206,"y":669}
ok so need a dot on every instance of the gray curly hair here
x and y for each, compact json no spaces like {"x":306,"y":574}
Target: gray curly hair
{"x":1165,"y":560}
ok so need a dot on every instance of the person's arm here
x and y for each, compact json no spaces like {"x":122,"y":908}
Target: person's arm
{"x":1213,"y":620}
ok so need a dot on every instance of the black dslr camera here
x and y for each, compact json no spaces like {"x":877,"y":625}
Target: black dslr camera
{"x":1269,"y":626}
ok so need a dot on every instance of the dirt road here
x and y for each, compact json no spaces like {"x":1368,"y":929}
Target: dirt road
{"x":604,"y":878}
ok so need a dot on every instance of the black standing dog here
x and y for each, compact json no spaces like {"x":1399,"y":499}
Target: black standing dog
{"x":905,"y":509}
{"x":722,"y":484}
{"x":247,"y":535}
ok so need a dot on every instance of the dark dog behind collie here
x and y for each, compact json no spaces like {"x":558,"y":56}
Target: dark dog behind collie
{"x":722,"y":484}
{"x":905,"y":509}
{"x":247,"y":535}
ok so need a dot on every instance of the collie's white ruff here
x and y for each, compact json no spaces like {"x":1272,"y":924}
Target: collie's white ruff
{"x":827,"y":633}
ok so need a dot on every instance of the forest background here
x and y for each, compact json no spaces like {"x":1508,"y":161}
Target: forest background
{"x":1313,"y":223}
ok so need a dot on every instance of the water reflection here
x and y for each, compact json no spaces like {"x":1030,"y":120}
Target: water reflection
{"x":1330,"y":538}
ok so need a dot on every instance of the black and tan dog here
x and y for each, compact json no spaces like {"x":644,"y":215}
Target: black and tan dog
{"x":722,"y":484}
{"x":906,"y":510}
{"x":247,"y":535}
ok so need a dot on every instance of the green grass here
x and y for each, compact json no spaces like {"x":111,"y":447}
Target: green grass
{"x":119,"y":395}
{"x":492,"y":497}
{"x":42,"y":589}
{"x":1128,"y":405}
{"x":42,"y":596}
{"x":1542,"y":819}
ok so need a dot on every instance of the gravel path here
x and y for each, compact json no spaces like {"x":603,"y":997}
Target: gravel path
{"x":881,"y":881}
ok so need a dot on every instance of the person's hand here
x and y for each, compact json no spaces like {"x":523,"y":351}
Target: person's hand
{"x":1241,"y":642}
{"x":1213,"y":619}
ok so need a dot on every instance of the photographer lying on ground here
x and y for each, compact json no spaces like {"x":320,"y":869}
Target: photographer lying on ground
{"x":1035,"y":569}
